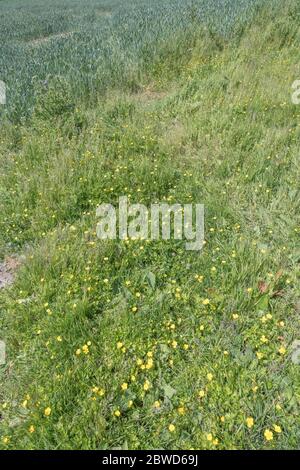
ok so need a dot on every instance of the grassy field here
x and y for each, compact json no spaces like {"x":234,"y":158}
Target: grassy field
{"x":142,"y":344}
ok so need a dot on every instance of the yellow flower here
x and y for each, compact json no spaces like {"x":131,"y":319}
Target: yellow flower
{"x":206,"y":302}
{"x":259,"y":355}
{"x":235,"y":316}
{"x":250,"y":422}
{"x":59,"y":339}
{"x":47,"y":411}
{"x":78,"y":351}
{"x":174,"y":344}
{"x":119,"y":345}
{"x":5,"y":440}
{"x":277,"y":428}
{"x":117,"y":413}
{"x":209,"y":437}
{"x":31,"y":429}
{"x":172,"y":428}
{"x":124,"y":386}
{"x":282,"y":350}
{"x":149,"y":364}
{"x":268,"y":435}
{"x":85,"y":349}
{"x":134,"y":309}
{"x":146,"y":385}
{"x":130,"y":403}
{"x":201,"y":393}
{"x":222,"y":419}
{"x":209,"y":377}
{"x":181,"y":410}
{"x":156,"y":404}
{"x":185,"y":347}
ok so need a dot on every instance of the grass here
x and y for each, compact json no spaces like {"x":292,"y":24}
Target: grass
{"x":143,"y":345}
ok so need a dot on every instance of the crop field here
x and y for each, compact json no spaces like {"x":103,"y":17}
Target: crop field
{"x":97,"y":44}
{"x":138,"y":343}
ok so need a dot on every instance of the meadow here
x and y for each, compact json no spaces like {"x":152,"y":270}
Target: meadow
{"x":141,"y":344}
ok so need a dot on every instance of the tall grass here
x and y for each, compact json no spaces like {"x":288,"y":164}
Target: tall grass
{"x":136,"y":344}
{"x":96,"y":44}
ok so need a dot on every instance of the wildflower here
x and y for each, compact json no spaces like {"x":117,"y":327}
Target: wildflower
{"x":209,"y":437}
{"x":149,"y":364}
{"x":134,"y":309}
{"x":146,"y":385}
{"x":282,"y":350}
{"x":222,"y":419}
{"x":250,"y":422}
{"x":5,"y":440}
{"x":117,"y":413}
{"x":59,"y":339}
{"x":85,"y":349}
{"x":78,"y":351}
{"x":201,"y":393}
{"x":235,"y":316}
{"x":174,"y":344}
{"x":277,"y":428}
{"x":259,"y":355}
{"x":31,"y":429}
{"x":268,"y":435}
{"x":206,"y":302}
{"x":156,"y":404}
{"x":124,"y":386}
{"x":209,"y":377}
{"x":47,"y":411}
{"x":185,"y":347}
{"x":119,"y":345}
{"x":172,"y":428}
{"x":181,"y":410}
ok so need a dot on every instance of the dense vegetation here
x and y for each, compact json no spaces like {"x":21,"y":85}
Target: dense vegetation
{"x":140,"y":344}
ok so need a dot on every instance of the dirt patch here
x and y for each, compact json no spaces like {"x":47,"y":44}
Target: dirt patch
{"x":43,"y":40}
{"x":8,"y":269}
{"x":148,"y":95}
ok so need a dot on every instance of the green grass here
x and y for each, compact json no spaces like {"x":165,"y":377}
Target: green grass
{"x":212,"y":122}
